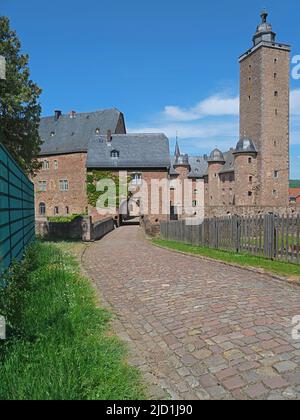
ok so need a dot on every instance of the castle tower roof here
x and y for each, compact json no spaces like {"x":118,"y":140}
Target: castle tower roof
{"x":216,"y":156}
{"x":264,"y":31}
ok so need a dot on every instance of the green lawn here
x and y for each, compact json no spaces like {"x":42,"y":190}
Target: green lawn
{"x":276,"y":267}
{"x":59,"y":344}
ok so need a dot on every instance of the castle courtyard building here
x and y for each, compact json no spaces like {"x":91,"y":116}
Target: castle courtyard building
{"x":253,"y":175}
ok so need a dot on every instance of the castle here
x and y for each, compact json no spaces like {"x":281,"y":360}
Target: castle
{"x":253,"y":174}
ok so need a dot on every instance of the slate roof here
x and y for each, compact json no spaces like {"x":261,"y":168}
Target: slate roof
{"x":229,"y":162}
{"x":136,"y":151}
{"x":71,"y":135}
{"x":198,"y":166}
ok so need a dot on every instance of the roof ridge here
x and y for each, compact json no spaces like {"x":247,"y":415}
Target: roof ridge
{"x":85,"y":113}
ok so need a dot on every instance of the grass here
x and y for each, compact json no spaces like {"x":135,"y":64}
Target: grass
{"x":59,"y":345}
{"x":245,"y":260}
{"x":63,"y":219}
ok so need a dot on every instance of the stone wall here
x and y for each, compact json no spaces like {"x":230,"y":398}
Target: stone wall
{"x":221,"y":211}
{"x":82,"y":228}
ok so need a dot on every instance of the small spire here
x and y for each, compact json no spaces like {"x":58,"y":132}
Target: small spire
{"x":264,"y":16}
{"x":177,"y":149}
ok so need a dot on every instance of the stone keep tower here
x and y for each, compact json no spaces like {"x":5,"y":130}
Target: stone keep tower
{"x":264,"y":117}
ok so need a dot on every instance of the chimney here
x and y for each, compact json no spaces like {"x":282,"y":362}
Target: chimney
{"x":57,"y":115}
{"x":109,"y":136}
{"x":72,"y":114}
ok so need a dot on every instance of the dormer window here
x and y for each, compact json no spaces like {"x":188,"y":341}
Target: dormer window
{"x":52,"y":134}
{"x":114,"y":154}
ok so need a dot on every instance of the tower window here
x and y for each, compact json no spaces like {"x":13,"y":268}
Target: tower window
{"x":276,"y":174}
{"x":67,"y":210}
{"x":250,"y":179}
{"x":276,"y":112}
{"x":275,"y":193}
{"x":42,"y":186}
{"x":64,"y":185}
{"x":250,"y":66}
{"x":136,"y":179}
{"x":42,"y":209}
{"x":249,"y":160}
{"x":276,"y":93}
{"x":250,"y":78}
{"x":45,"y":165}
{"x":115,"y":154}
{"x":275,"y":143}
{"x":275,"y":60}
{"x":249,"y":193}
{"x":249,"y":97}
{"x":275,"y":75}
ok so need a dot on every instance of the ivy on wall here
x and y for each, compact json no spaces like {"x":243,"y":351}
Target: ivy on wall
{"x":94,"y":177}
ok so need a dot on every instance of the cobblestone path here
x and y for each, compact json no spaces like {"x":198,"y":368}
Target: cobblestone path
{"x":197,"y":329}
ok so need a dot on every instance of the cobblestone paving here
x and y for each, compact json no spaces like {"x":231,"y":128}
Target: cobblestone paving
{"x":197,"y":329}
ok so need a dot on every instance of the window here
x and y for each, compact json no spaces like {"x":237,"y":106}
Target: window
{"x":114,"y":154}
{"x":67,"y":210}
{"x":52,"y":134}
{"x":45,"y":165}
{"x":276,"y":174}
{"x":64,"y":185}
{"x":136,"y":179}
{"x":56,"y":210}
{"x":276,"y":112}
{"x":249,"y":193}
{"x":275,"y":193}
{"x":55,"y":164}
{"x":97,"y":131}
{"x":42,"y":186}
{"x":250,"y":78}
{"x":276,"y":93}
{"x":275,"y":60}
{"x":195,"y":191}
{"x":250,"y":179}
{"x":42,"y":209}
{"x":275,"y":75}
{"x":249,"y":160}
{"x":194,"y":203}
{"x":249,"y":97}
{"x":275,"y":143}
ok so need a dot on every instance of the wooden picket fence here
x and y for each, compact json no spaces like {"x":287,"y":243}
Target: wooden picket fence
{"x":17,"y":224}
{"x":269,"y":236}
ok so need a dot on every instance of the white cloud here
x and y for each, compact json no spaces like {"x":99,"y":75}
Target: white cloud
{"x":295,"y":102}
{"x":217,"y":105}
{"x":213,"y":121}
{"x":201,"y":130}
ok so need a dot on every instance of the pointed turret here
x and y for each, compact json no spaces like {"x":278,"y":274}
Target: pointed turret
{"x":177,"y":150}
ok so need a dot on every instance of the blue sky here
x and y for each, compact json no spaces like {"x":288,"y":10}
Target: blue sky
{"x":169,"y":65}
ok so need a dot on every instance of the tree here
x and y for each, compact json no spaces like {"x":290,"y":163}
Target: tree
{"x":19,"y":107}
